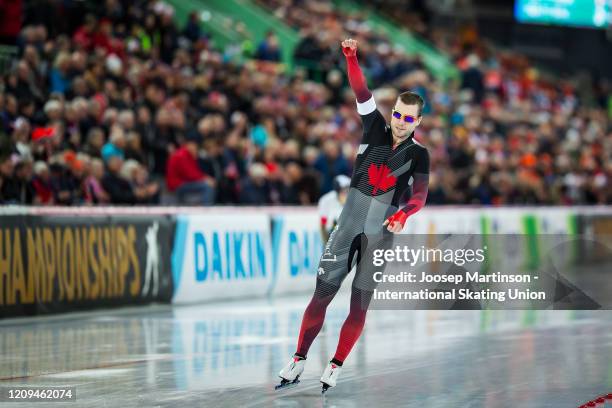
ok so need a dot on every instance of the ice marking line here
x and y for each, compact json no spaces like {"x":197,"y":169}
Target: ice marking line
{"x":100,"y":366}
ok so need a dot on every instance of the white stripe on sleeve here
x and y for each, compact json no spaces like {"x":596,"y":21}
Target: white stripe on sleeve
{"x":362,"y":148}
{"x":366,"y":107}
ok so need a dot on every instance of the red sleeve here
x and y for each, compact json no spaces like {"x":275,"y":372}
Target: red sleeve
{"x":357,"y":80}
{"x":416,"y":202}
{"x":419,"y":194}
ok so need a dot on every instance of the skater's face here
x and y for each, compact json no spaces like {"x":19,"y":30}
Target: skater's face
{"x":404,"y":119}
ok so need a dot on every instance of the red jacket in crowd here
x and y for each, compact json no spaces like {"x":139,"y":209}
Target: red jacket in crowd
{"x":10,"y":17}
{"x":182,"y":168}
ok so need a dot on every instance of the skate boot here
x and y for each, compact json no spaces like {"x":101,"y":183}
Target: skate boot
{"x":291,"y":373}
{"x":330,"y":376}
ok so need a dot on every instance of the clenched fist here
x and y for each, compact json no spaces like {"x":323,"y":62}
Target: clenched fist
{"x":349,"y":47}
{"x":395,"y":223}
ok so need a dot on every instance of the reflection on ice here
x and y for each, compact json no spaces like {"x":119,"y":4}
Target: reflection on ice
{"x":196,"y":354}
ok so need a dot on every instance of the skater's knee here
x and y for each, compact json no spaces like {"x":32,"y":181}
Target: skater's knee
{"x":325,"y":289}
{"x":360,"y":302}
{"x":357,"y":316}
{"x":316,"y":306}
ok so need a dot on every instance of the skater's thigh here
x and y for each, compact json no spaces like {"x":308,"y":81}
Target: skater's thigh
{"x":335,"y":263}
{"x":364,"y":273}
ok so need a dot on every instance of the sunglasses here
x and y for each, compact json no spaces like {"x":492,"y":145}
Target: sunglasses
{"x":406,"y":118}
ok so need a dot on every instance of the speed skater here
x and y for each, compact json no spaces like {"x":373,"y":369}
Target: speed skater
{"x":389,"y":183}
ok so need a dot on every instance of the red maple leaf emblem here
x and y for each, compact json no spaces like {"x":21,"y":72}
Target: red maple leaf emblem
{"x":380,"y":178}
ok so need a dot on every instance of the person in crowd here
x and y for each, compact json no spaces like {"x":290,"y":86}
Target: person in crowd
{"x":184,"y":176}
{"x":506,"y":134}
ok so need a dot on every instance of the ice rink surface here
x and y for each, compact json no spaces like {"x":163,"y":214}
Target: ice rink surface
{"x":228,"y":355}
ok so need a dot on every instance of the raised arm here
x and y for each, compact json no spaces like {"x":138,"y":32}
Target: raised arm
{"x":355,"y":76}
{"x":366,"y":106}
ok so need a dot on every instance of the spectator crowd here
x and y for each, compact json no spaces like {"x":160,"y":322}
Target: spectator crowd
{"x":122,"y":106}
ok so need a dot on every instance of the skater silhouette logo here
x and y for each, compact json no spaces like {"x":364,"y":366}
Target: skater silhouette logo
{"x":152,"y":262}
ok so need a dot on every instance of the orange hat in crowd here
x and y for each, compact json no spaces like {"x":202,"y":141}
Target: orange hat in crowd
{"x":529,"y":160}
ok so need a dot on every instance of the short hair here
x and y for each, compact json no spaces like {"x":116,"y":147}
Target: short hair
{"x":411,"y":98}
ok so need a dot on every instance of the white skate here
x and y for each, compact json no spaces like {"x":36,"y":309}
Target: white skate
{"x":330,"y":376}
{"x":291,"y":373}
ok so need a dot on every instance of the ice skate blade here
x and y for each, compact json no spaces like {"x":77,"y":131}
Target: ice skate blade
{"x":324,"y":388}
{"x":287,"y":384}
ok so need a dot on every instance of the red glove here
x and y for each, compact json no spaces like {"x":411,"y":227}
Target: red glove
{"x":349,"y":52}
{"x":400,"y":216}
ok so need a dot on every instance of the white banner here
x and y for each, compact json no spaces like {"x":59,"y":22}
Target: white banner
{"x":221,"y":256}
{"x":297,"y":248}
{"x":228,"y":253}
